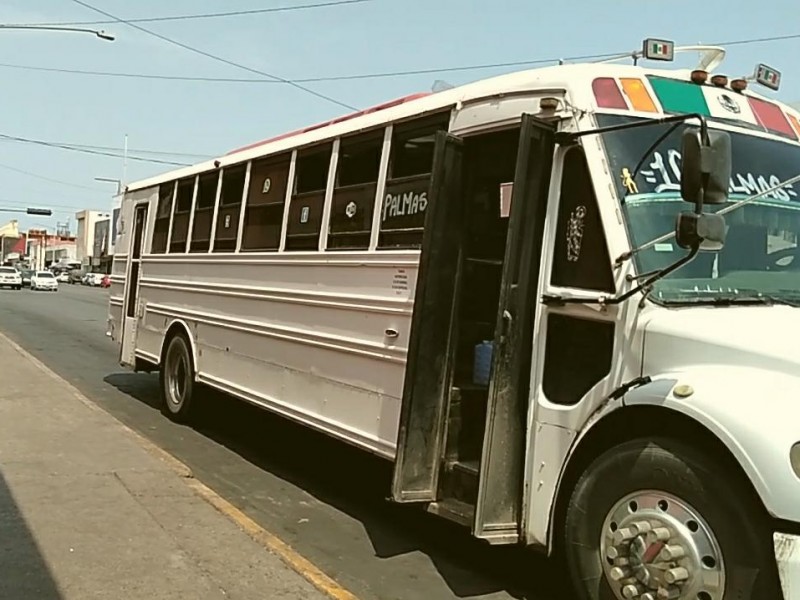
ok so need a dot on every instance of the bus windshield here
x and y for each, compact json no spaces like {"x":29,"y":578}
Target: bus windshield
{"x":761,"y":258}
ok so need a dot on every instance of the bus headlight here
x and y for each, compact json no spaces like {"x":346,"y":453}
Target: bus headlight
{"x":794,"y":457}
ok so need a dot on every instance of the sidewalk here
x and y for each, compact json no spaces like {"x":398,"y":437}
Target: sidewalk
{"x":88,"y":511}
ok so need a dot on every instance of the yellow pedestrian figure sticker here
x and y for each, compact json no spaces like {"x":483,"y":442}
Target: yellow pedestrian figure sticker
{"x":628,"y":182}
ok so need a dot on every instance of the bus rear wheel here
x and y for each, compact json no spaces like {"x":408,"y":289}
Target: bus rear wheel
{"x":177,"y":380}
{"x":657,"y":519}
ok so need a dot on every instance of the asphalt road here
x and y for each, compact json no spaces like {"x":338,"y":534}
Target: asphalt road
{"x":324,"y":498}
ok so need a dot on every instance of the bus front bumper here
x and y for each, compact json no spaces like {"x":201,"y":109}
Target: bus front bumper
{"x":787,"y":555}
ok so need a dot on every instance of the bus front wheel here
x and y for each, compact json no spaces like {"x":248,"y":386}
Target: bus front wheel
{"x":177,"y":380}
{"x":658,"y":519}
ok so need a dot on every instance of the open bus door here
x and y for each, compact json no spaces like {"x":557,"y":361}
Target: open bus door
{"x":436,"y":406}
{"x":426,"y":387}
{"x":500,"y":484}
{"x":130,"y":309}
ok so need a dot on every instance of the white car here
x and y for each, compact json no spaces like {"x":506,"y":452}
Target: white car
{"x":63,"y":277}
{"x":44,"y":280}
{"x":10,"y":277}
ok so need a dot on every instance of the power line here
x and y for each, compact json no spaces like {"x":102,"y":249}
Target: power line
{"x":88,"y":151}
{"x":134,"y":150}
{"x":213,"y":56}
{"x":44,"y":178}
{"x":236,"y":13}
{"x":377,"y":75}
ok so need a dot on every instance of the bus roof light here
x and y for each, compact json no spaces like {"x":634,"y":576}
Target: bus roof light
{"x":699,"y":76}
{"x":768,"y":77}
{"x":739,"y":85}
{"x":653,"y":49}
{"x":549,"y":103}
{"x":719,"y":80}
{"x":638,"y":95}
{"x":607,"y":94}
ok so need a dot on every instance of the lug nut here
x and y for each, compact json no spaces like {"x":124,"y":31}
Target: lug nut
{"x":668,"y":593}
{"x":676,"y":574}
{"x":618,"y":573}
{"x":631,"y":591}
{"x":659,"y":534}
{"x":612,"y":552}
{"x":672,"y":552}
{"x":647,"y":596}
{"x":623,"y":535}
{"x":641,"y":527}
{"x":621,"y":562}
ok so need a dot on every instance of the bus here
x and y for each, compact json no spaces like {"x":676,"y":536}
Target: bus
{"x":562,"y":302}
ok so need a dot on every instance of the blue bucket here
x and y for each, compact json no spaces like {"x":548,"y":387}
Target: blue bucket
{"x":482,"y":365}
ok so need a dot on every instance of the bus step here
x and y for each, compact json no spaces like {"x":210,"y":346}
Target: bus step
{"x":453,"y":510}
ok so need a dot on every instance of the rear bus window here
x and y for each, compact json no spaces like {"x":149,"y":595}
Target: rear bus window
{"x":230,"y":202}
{"x":180,"y":220}
{"x":163,"y":212}
{"x":204,"y":212}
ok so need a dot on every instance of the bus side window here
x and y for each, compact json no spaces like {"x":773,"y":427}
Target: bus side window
{"x":180,"y":220}
{"x":581,"y":257}
{"x":406,"y":195}
{"x":204,"y":212}
{"x":230,"y":201}
{"x":305,"y":208}
{"x":266,"y":197}
{"x":354,"y":192}
{"x":163,"y":212}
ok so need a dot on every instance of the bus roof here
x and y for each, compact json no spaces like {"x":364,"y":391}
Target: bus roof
{"x":575,"y":79}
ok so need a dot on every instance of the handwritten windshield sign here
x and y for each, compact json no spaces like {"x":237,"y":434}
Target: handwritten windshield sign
{"x":664,"y":174}
{"x":758,"y":163}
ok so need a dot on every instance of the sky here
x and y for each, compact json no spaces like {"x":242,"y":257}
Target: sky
{"x":189,"y":121}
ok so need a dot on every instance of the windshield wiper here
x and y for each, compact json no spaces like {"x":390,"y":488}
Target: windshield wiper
{"x":734,"y":297}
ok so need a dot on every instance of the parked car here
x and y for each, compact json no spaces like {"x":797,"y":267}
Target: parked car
{"x":93,"y":279}
{"x":44,"y":280}
{"x":10,"y":277}
{"x":76,"y":276}
{"x":26,"y":277}
{"x":63,"y":277}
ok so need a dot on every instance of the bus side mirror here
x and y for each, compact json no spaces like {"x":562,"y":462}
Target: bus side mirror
{"x":705,"y":232}
{"x":705,"y":167}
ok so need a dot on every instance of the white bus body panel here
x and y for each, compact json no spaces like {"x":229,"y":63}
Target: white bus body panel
{"x":309,"y":336}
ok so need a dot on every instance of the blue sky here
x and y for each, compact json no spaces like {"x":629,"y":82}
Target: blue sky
{"x":376,"y":36}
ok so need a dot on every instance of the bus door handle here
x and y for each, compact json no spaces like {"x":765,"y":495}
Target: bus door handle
{"x":391,"y":333}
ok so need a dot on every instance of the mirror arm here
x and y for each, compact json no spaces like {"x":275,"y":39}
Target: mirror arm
{"x":550,"y":299}
{"x":568,"y":138}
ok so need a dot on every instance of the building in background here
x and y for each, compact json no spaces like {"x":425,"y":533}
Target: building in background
{"x":47,"y":249}
{"x":85,"y":234}
{"x":12,"y":244}
{"x":101,"y":258}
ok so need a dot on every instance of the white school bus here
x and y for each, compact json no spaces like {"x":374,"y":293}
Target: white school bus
{"x":563,"y":302}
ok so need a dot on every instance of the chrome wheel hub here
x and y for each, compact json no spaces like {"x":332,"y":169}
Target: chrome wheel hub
{"x":656,"y":547}
{"x":177,"y":373}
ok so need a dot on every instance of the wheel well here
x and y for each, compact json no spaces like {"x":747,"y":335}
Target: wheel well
{"x":636,"y":422}
{"x":177,"y":328}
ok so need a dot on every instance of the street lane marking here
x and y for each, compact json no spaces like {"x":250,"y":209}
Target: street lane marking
{"x":267,"y":540}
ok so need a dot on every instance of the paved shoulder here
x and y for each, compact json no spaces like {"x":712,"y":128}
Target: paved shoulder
{"x":91,"y":512}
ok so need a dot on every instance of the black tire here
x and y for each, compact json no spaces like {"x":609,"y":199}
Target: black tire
{"x":727,"y":506}
{"x":177,"y":380}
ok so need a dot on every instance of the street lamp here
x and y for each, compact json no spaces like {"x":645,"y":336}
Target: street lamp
{"x":46,"y":212}
{"x":99,"y":33}
{"x":111,"y":180}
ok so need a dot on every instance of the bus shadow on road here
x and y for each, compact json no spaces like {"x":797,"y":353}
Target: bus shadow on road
{"x":357,"y":484}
